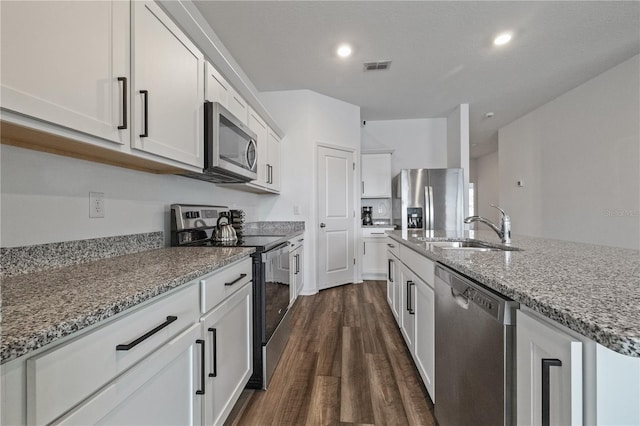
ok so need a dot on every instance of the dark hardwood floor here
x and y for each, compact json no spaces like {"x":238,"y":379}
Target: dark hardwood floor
{"x":345,"y":363}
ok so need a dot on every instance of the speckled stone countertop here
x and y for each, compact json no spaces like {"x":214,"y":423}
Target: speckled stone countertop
{"x":591,"y":289}
{"x":40,"y":307}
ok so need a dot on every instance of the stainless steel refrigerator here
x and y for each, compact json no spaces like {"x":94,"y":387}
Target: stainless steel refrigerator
{"x":428,"y":199}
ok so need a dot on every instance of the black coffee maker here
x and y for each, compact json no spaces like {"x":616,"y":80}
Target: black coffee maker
{"x":367,"y":218}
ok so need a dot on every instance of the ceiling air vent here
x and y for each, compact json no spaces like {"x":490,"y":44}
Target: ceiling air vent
{"x":377,"y":65}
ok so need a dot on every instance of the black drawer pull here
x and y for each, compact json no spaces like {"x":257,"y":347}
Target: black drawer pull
{"x":126,"y":347}
{"x":202,"y":361}
{"x":546,"y":409}
{"x":236,"y":280}
{"x":124,"y":103}
{"x":214,"y":347}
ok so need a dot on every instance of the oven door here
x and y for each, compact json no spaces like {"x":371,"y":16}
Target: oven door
{"x":276,"y":264}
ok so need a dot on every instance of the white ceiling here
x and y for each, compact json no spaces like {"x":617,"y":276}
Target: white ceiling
{"x":442,"y":52}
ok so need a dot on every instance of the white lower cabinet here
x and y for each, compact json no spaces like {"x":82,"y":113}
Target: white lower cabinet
{"x":228,"y":361}
{"x":393,"y":283}
{"x":374,"y":253}
{"x":182,"y":358}
{"x":296,"y":267}
{"x":161,"y":389}
{"x":408,"y":313}
{"x":424,"y":344}
{"x":549,"y":374}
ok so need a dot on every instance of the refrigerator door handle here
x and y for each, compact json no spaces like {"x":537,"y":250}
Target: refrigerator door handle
{"x":427,"y":209}
{"x":431,"y":218}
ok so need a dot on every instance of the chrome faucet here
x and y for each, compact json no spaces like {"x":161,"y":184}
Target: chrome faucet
{"x":504,"y":232}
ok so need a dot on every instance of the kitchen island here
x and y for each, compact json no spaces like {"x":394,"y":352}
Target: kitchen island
{"x":591,"y":289}
{"x":579,"y":312}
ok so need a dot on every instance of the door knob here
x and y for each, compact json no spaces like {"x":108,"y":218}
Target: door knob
{"x":322,"y":225}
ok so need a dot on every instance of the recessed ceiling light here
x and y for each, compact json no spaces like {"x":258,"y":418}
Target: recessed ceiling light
{"x":344,"y":51}
{"x":489,"y":114}
{"x":502,"y":39}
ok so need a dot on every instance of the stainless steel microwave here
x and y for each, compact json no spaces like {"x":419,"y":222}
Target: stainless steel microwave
{"x":230,"y":154}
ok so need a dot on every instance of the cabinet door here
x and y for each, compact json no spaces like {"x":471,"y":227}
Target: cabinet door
{"x":229,"y":361}
{"x":547,"y":354}
{"x":273,"y":162}
{"x":161,"y":389}
{"x":376,"y":175}
{"x":61,"y":63}
{"x":238,"y":106}
{"x":293,"y":274}
{"x":300,"y":274}
{"x":374,"y":255}
{"x":259,"y":127}
{"x":407,"y":316}
{"x":215,"y":86}
{"x":168,"y":95}
{"x":391,"y":272}
{"x":425,"y":334}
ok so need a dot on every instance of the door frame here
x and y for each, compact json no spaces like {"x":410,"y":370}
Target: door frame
{"x":356,"y":207}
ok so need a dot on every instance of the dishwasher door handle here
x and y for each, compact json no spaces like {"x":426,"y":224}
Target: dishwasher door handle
{"x":460,"y":299}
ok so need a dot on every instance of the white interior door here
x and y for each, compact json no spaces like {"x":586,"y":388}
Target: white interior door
{"x":335,"y":217}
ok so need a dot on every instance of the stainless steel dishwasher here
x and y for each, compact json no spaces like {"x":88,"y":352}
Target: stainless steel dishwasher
{"x":475,"y":352}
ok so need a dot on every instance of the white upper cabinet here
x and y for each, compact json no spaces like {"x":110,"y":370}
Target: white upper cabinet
{"x":168,"y":92}
{"x":238,"y":106}
{"x":376,"y":175}
{"x":273,"y":161}
{"x":68,"y":63}
{"x":259,"y":127}
{"x":215,"y":86}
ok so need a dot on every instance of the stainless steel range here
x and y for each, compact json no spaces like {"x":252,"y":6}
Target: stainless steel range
{"x":195,"y":225}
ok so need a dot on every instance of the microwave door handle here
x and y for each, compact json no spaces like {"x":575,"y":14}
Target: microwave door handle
{"x":251,"y":147}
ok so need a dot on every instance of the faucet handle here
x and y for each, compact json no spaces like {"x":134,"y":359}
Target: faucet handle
{"x":504,"y":214}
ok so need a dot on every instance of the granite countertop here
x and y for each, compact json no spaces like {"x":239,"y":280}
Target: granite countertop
{"x":41,"y":307}
{"x":591,"y":289}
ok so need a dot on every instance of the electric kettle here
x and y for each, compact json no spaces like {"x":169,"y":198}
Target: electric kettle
{"x":224,"y":231}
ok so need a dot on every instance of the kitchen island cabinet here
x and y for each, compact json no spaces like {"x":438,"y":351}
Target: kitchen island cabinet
{"x":593,"y":358}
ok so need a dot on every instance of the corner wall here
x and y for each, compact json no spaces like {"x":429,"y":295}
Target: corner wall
{"x":579,"y":159}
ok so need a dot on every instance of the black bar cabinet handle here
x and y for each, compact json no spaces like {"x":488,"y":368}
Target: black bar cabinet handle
{"x":546,"y":364}
{"x":127,"y":346}
{"x":202,"y":361}
{"x":298,"y":264}
{"x":124,"y":103}
{"x":411,"y":311}
{"x":236,"y":280}
{"x":145,"y":93}
{"x":214,"y":348}
{"x":408,"y":297}
{"x":364,"y":248}
{"x":390,"y":277}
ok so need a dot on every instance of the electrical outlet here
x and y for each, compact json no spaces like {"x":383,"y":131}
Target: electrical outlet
{"x":96,"y":204}
{"x":296,"y":209}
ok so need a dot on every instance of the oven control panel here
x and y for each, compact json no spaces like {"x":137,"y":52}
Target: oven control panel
{"x":192,"y":216}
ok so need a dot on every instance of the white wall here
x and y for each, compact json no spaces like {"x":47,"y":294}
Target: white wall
{"x":45,"y":198}
{"x":309,"y":118}
{"x":487,"y":180}
{"x":416,"y":143}
{"x":579,"y":158}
